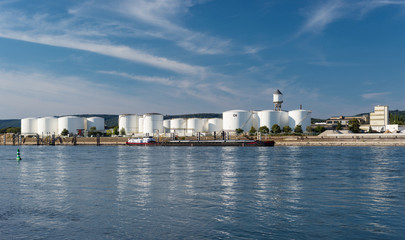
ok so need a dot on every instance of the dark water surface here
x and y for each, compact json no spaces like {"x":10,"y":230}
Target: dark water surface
{"x":120,"y":192}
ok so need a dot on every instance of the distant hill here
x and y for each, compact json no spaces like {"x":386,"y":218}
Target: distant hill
{"x":194,"y":115}
{"x":10,"y":123}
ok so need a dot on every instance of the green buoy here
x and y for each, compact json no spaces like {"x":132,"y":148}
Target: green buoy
{"x":18,"y":155}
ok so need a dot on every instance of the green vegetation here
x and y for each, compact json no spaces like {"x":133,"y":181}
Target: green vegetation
{"x":320,"y":129}
{"x":252,"y":131}
{"x":115,"y":130}
{"x":122,"y":132}
{"x":264,"y":130}
{"x":339,"y":126}
{"x":287,"y":129}
{"x":64,"y":132}
{"x":298,"y":129}
{"x":397,"y":118}
{"x":109,"y":132}
{"x":276,"y":129}
{"x":11,"y":130}
{"x":239,"y":131}
{"x":354,"y":125}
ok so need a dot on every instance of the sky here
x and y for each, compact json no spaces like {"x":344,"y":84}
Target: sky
{"x":339,"y":57}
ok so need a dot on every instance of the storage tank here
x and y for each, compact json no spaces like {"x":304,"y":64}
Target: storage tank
{"x":204,"y":124}
{"x":300,"y":117}
{"x":270,"y":117}
{"x":29,"y":126}
{"x":194,"y":125}
{"x":255,"y":120}
{"x":97,"y":122}
{"x":129,"y":122}
{"x":47,"y":126}
{"x":71,"y":123}
{"x":235,"y":119}
{"x":177,"y":124}
{"x":152,"y":122}
{"x":140,"y":124}
{"x":214,"y":125}
{"x":166,"y":125}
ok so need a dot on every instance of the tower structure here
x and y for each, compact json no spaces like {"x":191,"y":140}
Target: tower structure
{"x":277,"y":100}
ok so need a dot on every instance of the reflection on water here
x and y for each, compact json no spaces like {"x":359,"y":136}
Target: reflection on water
{"x":204,"y":193}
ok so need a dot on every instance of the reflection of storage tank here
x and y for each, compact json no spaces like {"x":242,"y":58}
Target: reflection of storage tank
{"x":70,"y":123}
{"x":270,"y":117}
{"x":129,"y":122}
{"x":194,"y":125}
{"x":152,"y":123}
{"x":300,"y":117}
{"x":214,"y":125}
{"x":235,"y":119}
{"x":47,"y":126}
{"x":97,"y":122}
{"x":29,"y":126}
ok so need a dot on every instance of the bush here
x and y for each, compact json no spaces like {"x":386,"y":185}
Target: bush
{"x":252,"y":131}
{"x":298,"y":129}
{"x":239,"y":131}
{"x":64,"y":132}
{"x":264,"y":130}
{"x":275,"y":129}
{"x":122,"y":132}
{"x":287,"y":129}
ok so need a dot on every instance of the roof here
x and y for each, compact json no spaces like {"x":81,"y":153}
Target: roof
{"x":278,"y":92}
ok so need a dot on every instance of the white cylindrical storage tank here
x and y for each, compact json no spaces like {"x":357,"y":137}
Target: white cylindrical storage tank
{"x":270,"y":117}
{"x":140,"y":125}
{"x":235,"y":119}
{"x":194,"y":125}
{"x":255,"y":120}
{"x":177,"y":124}
{"x":204,"y":122}
{"x":300,"y":117}
{"x":70,"y":123}
{"x":29,"y":126}
{"x":214,"y":125}
{"x":47,"y":126}
{"x":166,"y":125}
{"x":152,"y":123}
{"x":129,"y":122}
{"x":96,"y":122}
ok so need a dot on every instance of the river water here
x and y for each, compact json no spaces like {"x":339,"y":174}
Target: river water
{"x":122,"y":192}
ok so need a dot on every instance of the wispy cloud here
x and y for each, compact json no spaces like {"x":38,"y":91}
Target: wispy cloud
{"x":370,"y":96}
{"x":319,"y":16}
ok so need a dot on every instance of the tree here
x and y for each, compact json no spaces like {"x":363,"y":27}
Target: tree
{"x":298,"y":129}
{"x":354,"y":125}
{"x":64,"y":132}
{"x":339,"y":126}
{"x":264,"y":130}
{"x":115,"y":130}
{"x":320,"y":129}
{"x":309,"y":129}
{"x":275,"y":129}
{"x":122,"y":132}
{"x":287,"y":129}
{"x":109,"y":132}
{"x":252,"y":131}
{"x":239,"y":131}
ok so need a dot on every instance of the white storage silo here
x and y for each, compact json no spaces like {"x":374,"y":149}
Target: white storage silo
{"x":270,"y":117}
{"x":204,"y":122}
{"x":47,"y":126}
{"x":70,"y":123}
{"x":177,"y":124}
{"x":255,"y":120}
{"x":214,"y":125}
{"x":235,"y":119}
{"x":129,"y":122}
{"x":140,"y":125}
{"x":166,"y":125}
{"x":300,"y":117}
{"x":97,"y":122}
{"x":29,"y":126}
{"x":152,"y":123}
{"x":194,"y":125}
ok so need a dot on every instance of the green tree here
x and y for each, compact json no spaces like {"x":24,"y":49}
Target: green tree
{"x":320,"y":129}
{"x":109,"y":132}
{"x":339,"y":126}
{"x":64,"y":132}
{"x":252,"y":131}
{"x":287,"y":129}
{"x":298,"y":129}
{"x":122,"y":132}
{"x":275,"y":128}
{"x":264,"y":130}
{"x":309,"y":129}
{"x":239,"y":131}
{"x":354,"y":125}
{"x":115,"y":130}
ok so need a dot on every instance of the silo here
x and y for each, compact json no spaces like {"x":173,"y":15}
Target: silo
{"x":129,"y":122}
{"x":140,"y":125}
{"x":97,"y":122}
{"x":70,"y":123}
{"x":177,"y":124}
{"x":255,"y":120}
{"x":194,"y":125}
{"x":214,"y":125}
{"x":204,"y":124}
{"x":270,"y":117}
{"x":235,"y":119}
{"x":47,"y":126}
{"x":152,"y":123}
{"x":29,"y":126}
{"x":166,"y":125}
{"x":300,"y":117}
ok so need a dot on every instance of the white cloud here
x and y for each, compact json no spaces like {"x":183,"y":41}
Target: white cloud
{"x":369,"y":96}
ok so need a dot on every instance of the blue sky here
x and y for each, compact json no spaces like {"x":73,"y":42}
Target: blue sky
{"x":191,"y":56}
